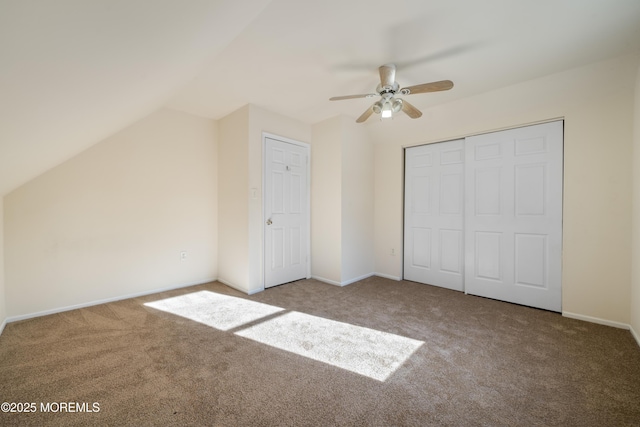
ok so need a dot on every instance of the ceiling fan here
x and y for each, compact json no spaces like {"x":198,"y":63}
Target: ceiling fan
{"x":388,"y":89}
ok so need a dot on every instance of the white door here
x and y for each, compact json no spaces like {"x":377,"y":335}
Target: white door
{"x":513,"y":215}
{"x":434,"y":211}
{"x":286,"y":212}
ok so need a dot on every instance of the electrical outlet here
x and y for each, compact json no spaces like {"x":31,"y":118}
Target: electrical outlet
{"x":393,"y":252}
{"x":183,"y":255}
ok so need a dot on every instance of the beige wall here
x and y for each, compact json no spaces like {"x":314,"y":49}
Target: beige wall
{"x":3,"y":308}
{"x":342,"y":201}
{"x":635,"y":284}
{"x":240,"y":220}
{"x":233,"y":207}
{"x":596,"y":102}
{"x":111,"y":222}
{"x":357,"y":202}
{"x":326,"y":200}
{"x":387,"y":219}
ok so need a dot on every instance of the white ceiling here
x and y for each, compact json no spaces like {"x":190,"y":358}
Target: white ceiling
{"x":73,"y":72}
{"x":297,"y":54}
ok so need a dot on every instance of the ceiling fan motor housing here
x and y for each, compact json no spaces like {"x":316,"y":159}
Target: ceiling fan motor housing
{"x":388,"y":89}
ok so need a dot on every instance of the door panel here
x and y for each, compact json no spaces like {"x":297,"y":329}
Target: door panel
{"x":488,"y":256}
{"x":451,"y":251}
{"x":296,"y":239}
{"x":451,"y":193}
{"x":277,"y":192}
{"x":277,"y":248}
{"x":531,"y":260}
{"x":530,"y":181}
{"x":421,"y":247}
{"x":286,"y":212}
{"x":487,"y":189}
{"x":434,"y":209}
{"x":513,"y":215}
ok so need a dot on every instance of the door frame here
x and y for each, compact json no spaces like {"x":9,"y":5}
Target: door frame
{"x":263,"y":229}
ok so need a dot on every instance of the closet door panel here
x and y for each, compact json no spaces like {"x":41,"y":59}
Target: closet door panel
{"x":513,"y":215}
{"x":434,"y":209}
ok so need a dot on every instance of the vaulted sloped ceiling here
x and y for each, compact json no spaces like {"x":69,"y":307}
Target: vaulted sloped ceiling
{"x":73,"y":72}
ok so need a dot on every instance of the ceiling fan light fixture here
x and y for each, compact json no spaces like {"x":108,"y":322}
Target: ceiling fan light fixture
{"x":388,"y":89}
{"x":387,"y":110}
{"x":397,"y":105}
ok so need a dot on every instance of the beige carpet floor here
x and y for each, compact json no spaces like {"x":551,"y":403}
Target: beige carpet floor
{"x":374,"y":353}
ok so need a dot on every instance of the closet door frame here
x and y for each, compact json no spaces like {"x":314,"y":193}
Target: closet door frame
{"x":527,"y":267}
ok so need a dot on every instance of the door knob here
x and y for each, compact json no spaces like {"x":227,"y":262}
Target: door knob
{"x":269,"y":222}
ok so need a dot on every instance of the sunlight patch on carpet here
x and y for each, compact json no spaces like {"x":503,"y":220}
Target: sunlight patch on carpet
{"x":364,"y":351}
{"x":222,"y":312}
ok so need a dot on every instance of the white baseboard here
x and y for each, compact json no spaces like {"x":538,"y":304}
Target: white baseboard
{"x":344,"y":283}
{"x":596,"y":320}
{"x":635,"y":334}
{"x":2,"y":325}
{"x":328,"y":281}
{"x":388,"y":276}
{"x":104,"y":301}
{"x":357,"y":279}
{"x":238,"y":288}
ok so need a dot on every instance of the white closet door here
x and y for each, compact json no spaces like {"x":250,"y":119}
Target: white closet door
{"x":513,"y":215}
{"x":434,"y":209}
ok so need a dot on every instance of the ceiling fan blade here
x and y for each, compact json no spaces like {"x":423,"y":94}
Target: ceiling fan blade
{"x":427,"y":87}
{"x":340,"y":98}
{"x":410,"y":110}
{"x":365,"y":115}
{"x":387,"y":75}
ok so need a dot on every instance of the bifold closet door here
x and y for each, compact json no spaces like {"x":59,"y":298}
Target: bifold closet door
{"x":513,"y":215}
{"x":434,"y":209}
